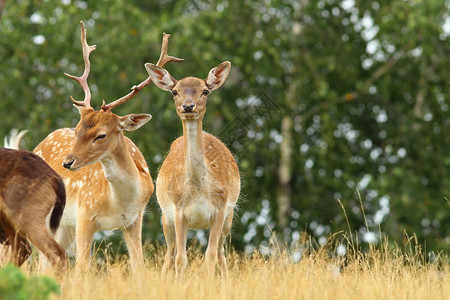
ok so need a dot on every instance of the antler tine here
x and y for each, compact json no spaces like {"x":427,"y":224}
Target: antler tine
{"x":163,"y":59}
{"x":82,"y":80}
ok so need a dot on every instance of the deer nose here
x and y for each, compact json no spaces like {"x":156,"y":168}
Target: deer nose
{"x":188,"y":107}
{"x":68,"y":164}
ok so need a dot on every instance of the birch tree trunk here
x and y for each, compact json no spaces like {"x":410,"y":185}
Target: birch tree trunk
{"x":286,"y":147}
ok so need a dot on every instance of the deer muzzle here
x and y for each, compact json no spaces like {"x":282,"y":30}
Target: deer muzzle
{"x":188,"y":108}
{"x":68,"y":162}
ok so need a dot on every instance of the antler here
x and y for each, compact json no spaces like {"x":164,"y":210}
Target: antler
{"x":87,"y":68}
{"x":163,"y":59}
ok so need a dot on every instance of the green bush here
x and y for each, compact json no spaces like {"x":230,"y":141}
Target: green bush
{"x":15,"y":285}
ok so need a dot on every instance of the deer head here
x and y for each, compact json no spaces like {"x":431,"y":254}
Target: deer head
{"x":190,"y":94}
{"x":98,"y":134}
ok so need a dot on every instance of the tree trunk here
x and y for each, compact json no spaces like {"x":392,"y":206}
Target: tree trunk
{"x":286,"y":147}
{"x":285,"y":172}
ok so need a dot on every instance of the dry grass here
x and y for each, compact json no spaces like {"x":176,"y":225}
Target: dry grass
{"x":385,"y":271}
{"x":377,"y":274}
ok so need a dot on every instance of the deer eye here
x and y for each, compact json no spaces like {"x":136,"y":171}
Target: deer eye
{"x":174,"y":93}
{"x":100,"y":137}
{"x":205,"y":93}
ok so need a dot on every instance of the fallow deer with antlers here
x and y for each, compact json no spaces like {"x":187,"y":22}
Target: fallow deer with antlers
{"x":199,"y":183}
{"x":111,"y":184}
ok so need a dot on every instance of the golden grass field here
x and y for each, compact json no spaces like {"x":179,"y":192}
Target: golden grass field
{"x":385,"y":273}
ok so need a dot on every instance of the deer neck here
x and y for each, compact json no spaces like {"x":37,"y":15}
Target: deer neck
{"x":194,"y":158}
{"x":120,"y":172}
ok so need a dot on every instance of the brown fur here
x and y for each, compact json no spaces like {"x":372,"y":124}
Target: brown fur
{"x":29,"y":191}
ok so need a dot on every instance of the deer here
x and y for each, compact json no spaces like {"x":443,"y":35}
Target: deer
{"x":107,"y":180}
{"x":198,"y":184}
{"x":30,"y":194}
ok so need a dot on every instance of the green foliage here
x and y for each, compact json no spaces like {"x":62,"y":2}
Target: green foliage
{"x":14,"y":285}
{"x":364,"y":83}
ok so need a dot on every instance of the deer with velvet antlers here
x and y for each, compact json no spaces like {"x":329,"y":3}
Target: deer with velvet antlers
{"x":199,"y":183}
{"x":111,"y":184}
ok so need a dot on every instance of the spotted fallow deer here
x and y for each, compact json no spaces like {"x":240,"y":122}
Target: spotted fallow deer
{"x":107,"y":180}
{"x":199,"y":183}
{"x":30,"y":193}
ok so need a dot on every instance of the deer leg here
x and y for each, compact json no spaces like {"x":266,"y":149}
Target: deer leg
{"x":222,"y":262}
{"x":64,"y":237}
{"x":213,"y":243}
{"x":35,"y":229}
{"x":7,"y":235}
{"x":181,"y":230}
{"x":21,"y":249}
{"x":133,"y":239}
{"x":47,"y":245}
{"x":84,"y":233}
{"x":169,"y":235}
{"x":16,"y":238}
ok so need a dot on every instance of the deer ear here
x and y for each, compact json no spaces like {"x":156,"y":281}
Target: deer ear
{"x":133,"y":121}
{"x":160,"y":77}
{"x":79,"y":107}
{"x":218,"y":75}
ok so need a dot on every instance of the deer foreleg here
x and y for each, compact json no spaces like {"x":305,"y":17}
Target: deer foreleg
{"x":181,"y":230}
{"x":169,"y":234}
{"x":133,"y":239}
{"x":215,"y":232}
{"x":222,"y":262}
{"x":84,"y":232}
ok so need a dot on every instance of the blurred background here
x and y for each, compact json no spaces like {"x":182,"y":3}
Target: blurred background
{"x":334,"y":110}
